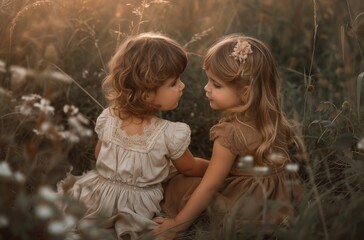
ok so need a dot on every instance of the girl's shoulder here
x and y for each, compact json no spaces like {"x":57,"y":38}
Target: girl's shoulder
{"x":106,"y":113}
{"x":109,"y":119}
{"x":176,"y":125}
{"x":102,"y":119}
{"x":227,"y":128}
{"x":175,"y":129}
{"x":237,"y":136}
{"x":178,"y":137}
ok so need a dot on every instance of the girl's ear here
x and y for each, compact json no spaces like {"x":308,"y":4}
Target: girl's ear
{"x":148,"y":96}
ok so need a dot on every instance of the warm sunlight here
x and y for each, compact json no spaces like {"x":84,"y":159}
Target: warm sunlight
{"x":184,"y":119}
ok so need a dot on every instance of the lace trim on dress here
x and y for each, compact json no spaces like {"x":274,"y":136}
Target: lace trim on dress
{"x":140,"y":143}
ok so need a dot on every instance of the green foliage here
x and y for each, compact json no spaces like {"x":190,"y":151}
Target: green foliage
{"x":59,"y":50}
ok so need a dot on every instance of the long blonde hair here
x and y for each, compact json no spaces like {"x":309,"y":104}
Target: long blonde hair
{"x":259,"y":73}
{"x":141,"y":64}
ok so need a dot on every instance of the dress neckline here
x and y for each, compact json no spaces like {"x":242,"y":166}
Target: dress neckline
{"x":137,"y":142}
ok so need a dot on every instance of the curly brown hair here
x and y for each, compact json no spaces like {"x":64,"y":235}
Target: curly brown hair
{"x":141,"y":64}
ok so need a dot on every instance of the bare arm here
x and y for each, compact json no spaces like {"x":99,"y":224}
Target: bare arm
{"x":191,"y":166}
{"x":218,"y":169}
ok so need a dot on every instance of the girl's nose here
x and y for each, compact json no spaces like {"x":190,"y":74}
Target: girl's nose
{"x":182,"y":85}
{"x":206,"y":87}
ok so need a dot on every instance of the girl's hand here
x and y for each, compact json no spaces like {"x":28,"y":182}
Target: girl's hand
{"x":167,"y":230}
{"x":159,"y":220}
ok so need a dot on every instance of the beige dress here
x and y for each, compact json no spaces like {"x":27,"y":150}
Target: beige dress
{"x":125,"y":189}
{"x":251,"y":196}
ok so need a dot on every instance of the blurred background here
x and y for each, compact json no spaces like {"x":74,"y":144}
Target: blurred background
{"x":59,"y":50}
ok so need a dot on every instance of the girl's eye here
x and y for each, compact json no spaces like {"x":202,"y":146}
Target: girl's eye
{"x":174,"y":83}
{"x":216,"y":85}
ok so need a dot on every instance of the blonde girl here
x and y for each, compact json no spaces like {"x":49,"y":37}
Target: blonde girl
{"x":137,"y":150}
{"x":247,"y":174}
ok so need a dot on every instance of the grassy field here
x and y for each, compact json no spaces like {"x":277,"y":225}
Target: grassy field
{"x":53,"y":57}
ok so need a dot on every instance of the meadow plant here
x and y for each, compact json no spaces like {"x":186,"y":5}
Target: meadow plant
{"x":52,"y":62}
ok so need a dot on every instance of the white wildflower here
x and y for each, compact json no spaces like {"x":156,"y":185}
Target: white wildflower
{"x":5,"y":170}
{"x":4,"y":222}
{"x":37,"y":132}
{"x":43,"y":211}
{"x":70,"y":136}
{"x":27,"y":106}
{"x":360,"y":144}
{"x":82,"y":119}
{"x":261,"y":170}
{"x":87,"y":133}
{"x":85,"y":74}
{"x":45,"y":126}
{"x":25,"y":109}
{"x":69,"y":221}
{"x":19,"y":177}
{"x":76,"y":124}
{"x":70,"y":109}
{"x":145,"y":4}
{"x":246,"y":161}
{"x":56,"y":227}
{"x":44,"y":106}
{"x":43,"y":129}
{"x":18,"y":74}
{"x":292,"y":167}
{"x":276,"y":158}
{"x":31,"y":98}
{"x":240,"y":164}
{"x":48,"y":194}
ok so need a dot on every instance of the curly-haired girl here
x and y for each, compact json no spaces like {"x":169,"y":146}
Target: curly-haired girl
{"x":137,"y":150}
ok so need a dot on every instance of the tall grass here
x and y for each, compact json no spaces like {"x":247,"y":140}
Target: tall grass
{"x":52,"y":60}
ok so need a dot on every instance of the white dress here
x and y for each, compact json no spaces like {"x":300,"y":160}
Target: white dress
{"x":124,"y":190}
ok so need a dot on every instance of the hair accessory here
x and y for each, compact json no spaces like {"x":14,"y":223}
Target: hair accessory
{"x":241,"y":51}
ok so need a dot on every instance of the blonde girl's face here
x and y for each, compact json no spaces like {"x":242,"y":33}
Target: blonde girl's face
{"x":220,"y":95}
{"x":168,"y":95}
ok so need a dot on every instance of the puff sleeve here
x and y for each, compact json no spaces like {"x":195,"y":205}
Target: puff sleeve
{"x":101,"y":122}
{"x":229,"y":137}
{"x":178,"y":139}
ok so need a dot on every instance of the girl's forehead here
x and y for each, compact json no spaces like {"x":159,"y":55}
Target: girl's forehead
{"x":212,"y":76}
{"x":209,"y":73}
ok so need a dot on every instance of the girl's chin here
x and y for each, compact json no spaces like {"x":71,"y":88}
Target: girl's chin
{"x":213,"y":106}
{"x":170,"y":108}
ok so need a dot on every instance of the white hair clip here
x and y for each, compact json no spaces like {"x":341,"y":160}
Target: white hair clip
{"x":241,"y":51}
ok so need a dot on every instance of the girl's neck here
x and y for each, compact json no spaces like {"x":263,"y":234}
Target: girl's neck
{"x":134,"y":125}
{"x":244,"y":117}
{"x":132,"y":119}
{"x":135,"y":121}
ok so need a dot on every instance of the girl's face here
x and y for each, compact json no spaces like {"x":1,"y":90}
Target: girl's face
{"x":220,"y":95}
{"x":168,"y":95}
